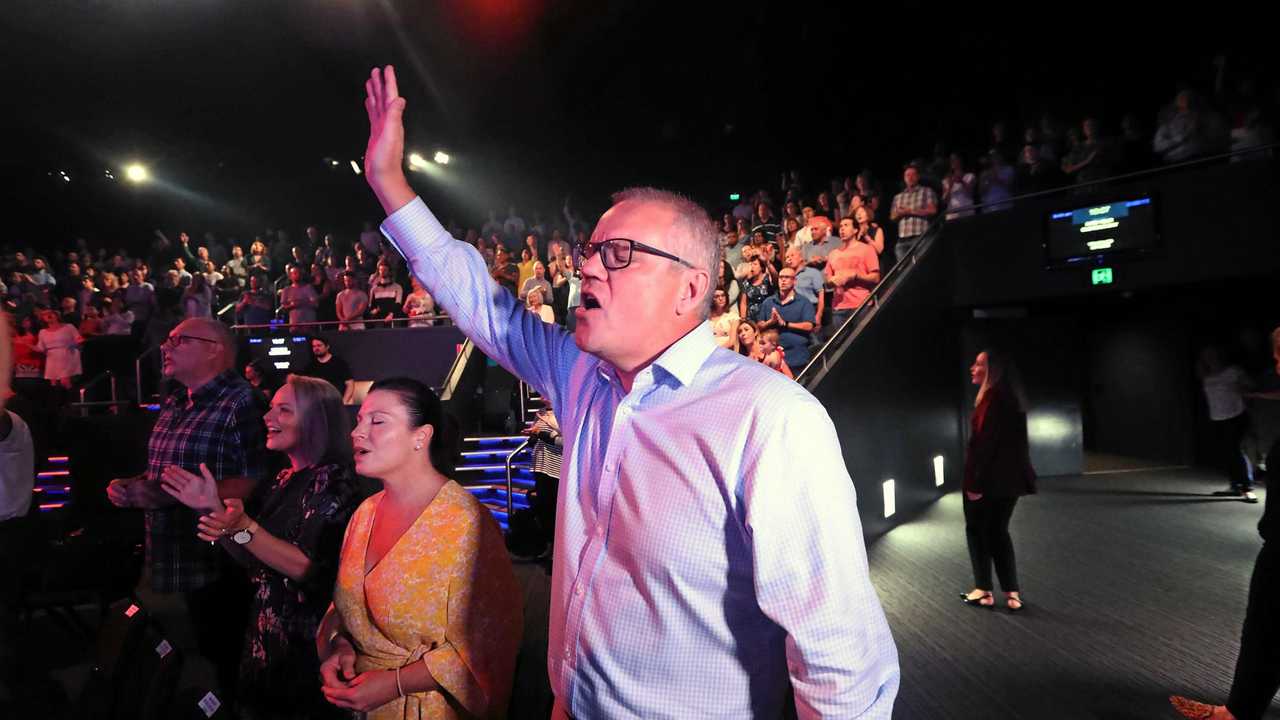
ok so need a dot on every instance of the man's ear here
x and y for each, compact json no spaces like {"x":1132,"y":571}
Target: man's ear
{"x":694,"y":287}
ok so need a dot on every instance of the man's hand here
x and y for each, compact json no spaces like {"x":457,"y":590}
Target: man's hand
{"x":118,"y":492}
{"x":198,"y":492}
{"x":384,"y":155}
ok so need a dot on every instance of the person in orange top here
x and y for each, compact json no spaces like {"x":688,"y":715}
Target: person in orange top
{"x":853,"y":269}
{"x":426,"y":617}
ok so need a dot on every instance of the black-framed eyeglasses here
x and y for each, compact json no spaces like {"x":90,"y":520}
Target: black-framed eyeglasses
{"x":174,"y":341}
{"x":617,"y":253}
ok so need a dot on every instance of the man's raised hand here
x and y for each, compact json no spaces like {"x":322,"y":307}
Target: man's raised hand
{"x":384,"y":155}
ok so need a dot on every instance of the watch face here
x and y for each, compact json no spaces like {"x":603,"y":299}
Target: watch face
{"x":242,"y":537}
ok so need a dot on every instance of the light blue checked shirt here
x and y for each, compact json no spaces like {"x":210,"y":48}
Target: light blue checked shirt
{"x":708,"y":549}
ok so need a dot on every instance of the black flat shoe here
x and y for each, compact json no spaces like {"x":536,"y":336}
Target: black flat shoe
{"x":1021,"y":605}
{"x":977,"y":602}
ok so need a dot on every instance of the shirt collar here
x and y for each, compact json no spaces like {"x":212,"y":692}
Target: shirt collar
{"x":683,"y":358}
{"x":211,"y":389}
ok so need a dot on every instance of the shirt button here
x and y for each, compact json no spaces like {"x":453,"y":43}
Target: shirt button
{"x":578,"y":589}
{"x":567,"y":654}
{"x":600,"y":531}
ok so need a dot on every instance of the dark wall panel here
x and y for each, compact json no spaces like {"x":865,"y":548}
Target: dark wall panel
{"x":1216,"y":221}
{"x":424,"y":353}
{"x":893,"y":397}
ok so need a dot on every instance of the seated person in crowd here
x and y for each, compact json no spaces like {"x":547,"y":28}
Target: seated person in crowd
{"x":769,"y":352}
{"x":288,"y":538}
{"x":426,"y":617}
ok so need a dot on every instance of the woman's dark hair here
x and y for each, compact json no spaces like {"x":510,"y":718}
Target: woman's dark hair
{"x":424,"y":408}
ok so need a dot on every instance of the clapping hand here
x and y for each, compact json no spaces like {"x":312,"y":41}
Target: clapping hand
{"x":775,"y":318}
{"x":198,"y":492}
{"x":215,"y":525}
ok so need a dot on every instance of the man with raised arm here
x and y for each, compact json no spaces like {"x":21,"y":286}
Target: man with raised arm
{"x":695,"y":573}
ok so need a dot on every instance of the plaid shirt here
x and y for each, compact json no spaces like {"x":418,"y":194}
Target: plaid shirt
{"x":220,"y":425}
{"x":916,"y":198}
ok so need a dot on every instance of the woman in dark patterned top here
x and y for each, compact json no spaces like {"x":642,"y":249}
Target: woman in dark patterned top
{"x":289,"y":540}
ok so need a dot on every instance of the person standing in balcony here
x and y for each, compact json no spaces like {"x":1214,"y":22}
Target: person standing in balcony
{"x":997,"y":471}
{"x":911,"y":209}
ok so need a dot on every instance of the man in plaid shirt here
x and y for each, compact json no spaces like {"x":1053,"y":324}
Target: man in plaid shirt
{"x":215,"y":421}
{"x":912,"y":209}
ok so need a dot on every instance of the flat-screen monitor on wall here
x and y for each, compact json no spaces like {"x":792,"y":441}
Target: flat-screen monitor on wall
{"x":1121,"y":228}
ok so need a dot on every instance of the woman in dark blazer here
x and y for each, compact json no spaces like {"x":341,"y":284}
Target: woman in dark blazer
{"x":997,"y":471}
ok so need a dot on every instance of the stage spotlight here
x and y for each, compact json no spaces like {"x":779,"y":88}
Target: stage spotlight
{"x":355,"y":167}
{"x":416,"y":161}
{"x":442,"y":157}
{"x":137,"y":173}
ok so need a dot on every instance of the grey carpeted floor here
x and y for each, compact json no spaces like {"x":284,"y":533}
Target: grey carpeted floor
{"x":1135,"y":585}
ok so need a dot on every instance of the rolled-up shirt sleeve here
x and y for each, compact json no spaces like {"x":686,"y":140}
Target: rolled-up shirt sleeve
{"x":454,"y":273}
{"x":811,"y":573}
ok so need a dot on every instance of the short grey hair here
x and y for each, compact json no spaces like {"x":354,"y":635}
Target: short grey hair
{"x":221,"y":333}
{"x":692,"y":235}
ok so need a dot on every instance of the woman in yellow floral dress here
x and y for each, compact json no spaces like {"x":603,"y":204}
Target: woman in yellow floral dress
{"x":426,"y":617}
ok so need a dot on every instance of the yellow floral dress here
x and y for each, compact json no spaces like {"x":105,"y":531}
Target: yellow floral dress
{"x":445,"y":592}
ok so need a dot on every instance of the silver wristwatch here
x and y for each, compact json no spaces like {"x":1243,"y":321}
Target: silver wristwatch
{"x":244,"y":535}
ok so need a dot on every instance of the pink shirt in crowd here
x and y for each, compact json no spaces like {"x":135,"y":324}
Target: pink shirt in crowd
{"x":853,"y":256}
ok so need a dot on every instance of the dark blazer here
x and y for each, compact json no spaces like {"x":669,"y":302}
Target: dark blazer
{"x":998,"y":461}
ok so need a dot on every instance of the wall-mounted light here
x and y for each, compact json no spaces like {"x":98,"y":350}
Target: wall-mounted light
{"x":937,"y":471}
{"x":890,"y":503}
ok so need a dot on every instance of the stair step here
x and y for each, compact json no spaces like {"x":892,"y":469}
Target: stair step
{"x":491,"y":439}
{"x":47,"y":474}
{"x":59,"y":459}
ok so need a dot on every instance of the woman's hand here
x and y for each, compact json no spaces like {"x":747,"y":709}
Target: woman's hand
{"x":339,"y":669}
{"x":367,"y":691}
{"x":973,"y":496}
{"x":217,"y":525}
{"x":198,"y":492}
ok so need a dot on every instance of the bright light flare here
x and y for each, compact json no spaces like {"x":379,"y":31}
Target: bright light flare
{"x":442,"y":157}
{"x":355,"y":167}
{"x":417,"y":162}
{"x":890,"y":501}
{"x":137,"y":173}
{"x":938,"y":478}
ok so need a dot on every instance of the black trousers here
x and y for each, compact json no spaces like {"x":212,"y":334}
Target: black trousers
{"x":1258,"y":668}
{"x":1227,"y":436}
{"x":219,"y":614}
{"x":986,"y":527}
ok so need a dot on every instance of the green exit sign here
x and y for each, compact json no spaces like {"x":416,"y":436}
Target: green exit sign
{"x":734,"y":197}
{"x":1102,"y":276}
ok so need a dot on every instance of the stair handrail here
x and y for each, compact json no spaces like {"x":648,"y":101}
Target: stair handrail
{"x":84,"y":389}
{"x":137,"y":370}
{"x":510,"y":480}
